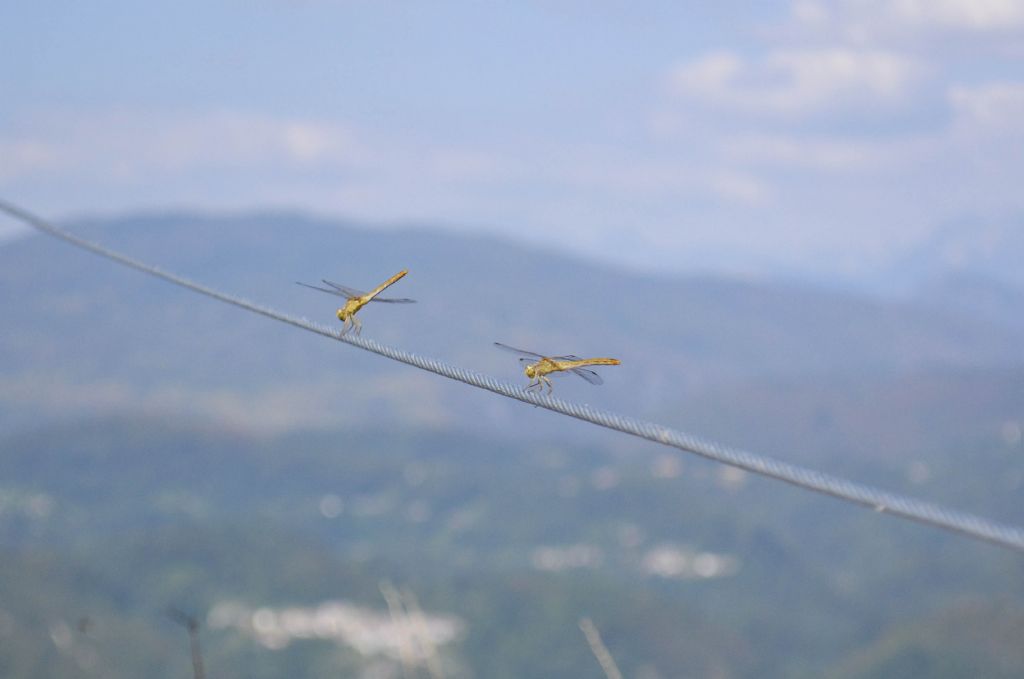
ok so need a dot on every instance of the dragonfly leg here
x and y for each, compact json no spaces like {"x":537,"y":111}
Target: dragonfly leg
{"x":357,"y":325}
{"x":548,"y":382}
{"x":345,"y":327}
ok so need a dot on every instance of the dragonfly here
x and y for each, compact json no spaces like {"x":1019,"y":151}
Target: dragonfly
{"x":356,"y":299}
{"x":537,"y":367}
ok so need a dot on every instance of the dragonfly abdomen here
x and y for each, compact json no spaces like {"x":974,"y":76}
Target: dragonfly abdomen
{"x":594,"y":361}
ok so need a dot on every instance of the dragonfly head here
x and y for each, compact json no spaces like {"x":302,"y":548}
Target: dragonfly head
{"x":531,"y":371}
{"x":343,"y":314}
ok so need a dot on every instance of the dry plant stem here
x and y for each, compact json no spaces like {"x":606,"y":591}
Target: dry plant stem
{"x":427,"y":646}
{"x":192,"y":625}
{"x":600,"y":651}
{"x":401,"y":620}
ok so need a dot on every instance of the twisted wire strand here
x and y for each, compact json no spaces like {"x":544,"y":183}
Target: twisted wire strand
{"x":881,"y":501}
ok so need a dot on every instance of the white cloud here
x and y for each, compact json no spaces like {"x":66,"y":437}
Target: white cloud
{"x":124,"y":145}
{"x":739,"y":187}
{"x":880,"y":21}
{"x":990,"y":108}
{"x":309,"y":142}
{"x":965,"y":15}
{"x":633,"y":177}
{"x":798,"y":82}
{"x":980,"y":152}
{"x":809,"y":13}
{"x":548,"y":190}
{"x":812,"y":153}
{"x":20,"y":157}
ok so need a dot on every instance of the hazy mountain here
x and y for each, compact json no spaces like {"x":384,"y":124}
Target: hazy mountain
{"x":83,"y":335}
{"x":975,"y":296}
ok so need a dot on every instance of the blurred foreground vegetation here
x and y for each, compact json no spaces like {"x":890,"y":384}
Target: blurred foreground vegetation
{"x":107,"y":523}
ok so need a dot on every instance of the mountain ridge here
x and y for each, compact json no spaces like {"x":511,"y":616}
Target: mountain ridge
{"x":80,"y":329}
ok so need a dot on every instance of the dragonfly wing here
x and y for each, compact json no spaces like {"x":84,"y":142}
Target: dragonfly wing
{"x":315,"y":287}
{"x":393,"y":300}
{"x":345,"y":290}
{"x":521,"y":352}
{"x":588,"y":375}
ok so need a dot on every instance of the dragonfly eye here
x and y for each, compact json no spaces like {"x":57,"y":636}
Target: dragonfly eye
{"x":341,"y":314}
{"x":531,"y":371}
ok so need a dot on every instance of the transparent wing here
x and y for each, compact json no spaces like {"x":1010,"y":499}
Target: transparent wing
{"x":394,"y":300}
{"x":521,"y":352}
{"x":344,"y":290}
{"x":315,"y":287}
{"x":588,"y":375}
{"x":352,"y":292}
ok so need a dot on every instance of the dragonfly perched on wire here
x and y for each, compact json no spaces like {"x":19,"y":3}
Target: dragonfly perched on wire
{"x":538,"y":367}
{"x":356,"y":300}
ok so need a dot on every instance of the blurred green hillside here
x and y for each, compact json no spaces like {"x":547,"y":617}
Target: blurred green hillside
{"x":117,"y":520}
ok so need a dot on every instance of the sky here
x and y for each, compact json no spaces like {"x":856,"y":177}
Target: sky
{"x":804,"y":136}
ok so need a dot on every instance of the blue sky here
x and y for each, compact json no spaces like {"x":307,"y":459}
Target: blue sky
{"x":807,"y":135}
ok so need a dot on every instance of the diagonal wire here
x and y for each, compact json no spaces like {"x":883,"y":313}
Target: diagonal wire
{"x":882,"y":501}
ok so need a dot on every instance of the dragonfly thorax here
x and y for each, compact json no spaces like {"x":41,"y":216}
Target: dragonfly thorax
{"x":351,"y":307}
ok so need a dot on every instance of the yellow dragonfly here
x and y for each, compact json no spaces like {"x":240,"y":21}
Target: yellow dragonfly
{"x":356,"y":300}
{"x":538,"y":367}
